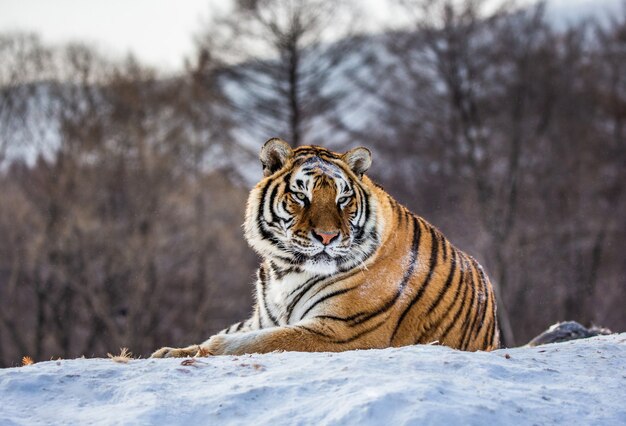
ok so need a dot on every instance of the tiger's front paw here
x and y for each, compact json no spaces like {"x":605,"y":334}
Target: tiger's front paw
{"x":167,"y":352}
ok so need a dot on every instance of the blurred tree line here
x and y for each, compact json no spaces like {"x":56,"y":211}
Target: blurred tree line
{"x":122,"y":190}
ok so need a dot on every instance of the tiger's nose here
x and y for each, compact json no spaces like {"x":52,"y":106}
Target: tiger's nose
{"x":325,"y":237}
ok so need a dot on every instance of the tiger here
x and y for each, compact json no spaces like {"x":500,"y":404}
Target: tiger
{"x":345,"y":266}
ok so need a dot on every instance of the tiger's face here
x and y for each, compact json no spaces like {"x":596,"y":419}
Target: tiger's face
{"x":312,"y":210}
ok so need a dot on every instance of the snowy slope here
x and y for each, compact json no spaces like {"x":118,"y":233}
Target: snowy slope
{"x":579,"y":382}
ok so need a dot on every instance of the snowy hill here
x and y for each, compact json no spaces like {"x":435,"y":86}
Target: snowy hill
{"x":578,"y":382}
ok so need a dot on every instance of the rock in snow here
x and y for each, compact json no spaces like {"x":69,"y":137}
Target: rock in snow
{"x":577,"y":382}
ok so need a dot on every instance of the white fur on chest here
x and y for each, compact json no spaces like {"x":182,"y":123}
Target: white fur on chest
{"x":279,"y":293}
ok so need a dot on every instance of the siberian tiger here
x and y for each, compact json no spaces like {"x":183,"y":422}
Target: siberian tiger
{"x":345,"y":266}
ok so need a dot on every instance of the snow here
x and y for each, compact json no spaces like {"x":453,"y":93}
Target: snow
{"x":577,"y":382}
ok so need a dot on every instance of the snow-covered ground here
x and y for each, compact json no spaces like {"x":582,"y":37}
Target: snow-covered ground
{"x":578,"y":382}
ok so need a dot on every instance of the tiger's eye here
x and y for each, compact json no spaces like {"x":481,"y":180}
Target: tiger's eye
{"x":343,"y":200}
{"x":300,"y":196}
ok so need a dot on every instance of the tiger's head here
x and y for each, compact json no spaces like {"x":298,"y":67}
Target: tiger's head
{"x":313,"y":209}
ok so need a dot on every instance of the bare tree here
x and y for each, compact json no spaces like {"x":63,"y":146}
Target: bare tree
{"x":23,"y":61}
{"x":125,"y":235}
{"x":121,"y":227}
{"x":285,"y":59}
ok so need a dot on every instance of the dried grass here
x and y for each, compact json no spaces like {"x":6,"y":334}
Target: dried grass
{"x":123,"y":357}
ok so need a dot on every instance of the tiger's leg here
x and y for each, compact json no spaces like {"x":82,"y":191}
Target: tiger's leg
{"x":195,"y":350}
{"x":302,"y":337}
{"x":167,"y":352}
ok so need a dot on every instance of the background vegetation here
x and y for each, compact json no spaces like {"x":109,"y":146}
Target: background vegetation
{"x":122,"y":190}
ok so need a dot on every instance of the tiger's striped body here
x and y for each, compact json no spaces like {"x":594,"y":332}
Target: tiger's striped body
{"x":386,"y":278}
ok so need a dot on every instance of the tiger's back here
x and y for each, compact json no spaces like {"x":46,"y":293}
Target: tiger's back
{"x":441,"y":294}
{"x":347,"y":267}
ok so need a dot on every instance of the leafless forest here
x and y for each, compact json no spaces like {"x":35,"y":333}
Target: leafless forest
{"x":122,"y":190}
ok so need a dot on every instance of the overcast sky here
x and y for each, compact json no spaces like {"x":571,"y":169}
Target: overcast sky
{"x":159,"y":32}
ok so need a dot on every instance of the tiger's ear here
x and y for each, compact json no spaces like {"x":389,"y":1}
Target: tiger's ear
{"x":274,"y":154}
{"x":358,"y":159}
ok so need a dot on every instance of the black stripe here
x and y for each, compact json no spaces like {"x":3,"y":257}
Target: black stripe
{"x":484,"y":303}
{"x":354,"y":319}
{"x":457,"y":314}
{"x":446,"y":286}
{"x":490,"y":335}
{"x":280,"y":273}
{"x":259,"y":213}
{"x":272,"y":200}
{"x":359,"y":196}
{"x":366,"y":206}
{"x":331,"y":317}
{"x":467,"y":319}
{"x":326,"y":297}
{"x":333,"y":281}
{"x":471,"y":316}
{"x":302,"y":289}
{"x":317,"y":151}
{"x":260,"y":221}
{"x":363,"y":212}
{"x":311,"y":283}
{"x":422,"y":289}
{"x":494,"y":320}
{"x":400,"y":216}
{"x":486,"y":338}
{"x":469,"y":325}
{"x":495,"y":331}
{"x":362,"y":333}
{"x":312,"y":330}
{"x":413,"y":256}
{"x":444,"y":246}
{"x":263,"y":281}
{"x":496,"y":335}
{"x":274,"y":179}
{"x":457,"y":293}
